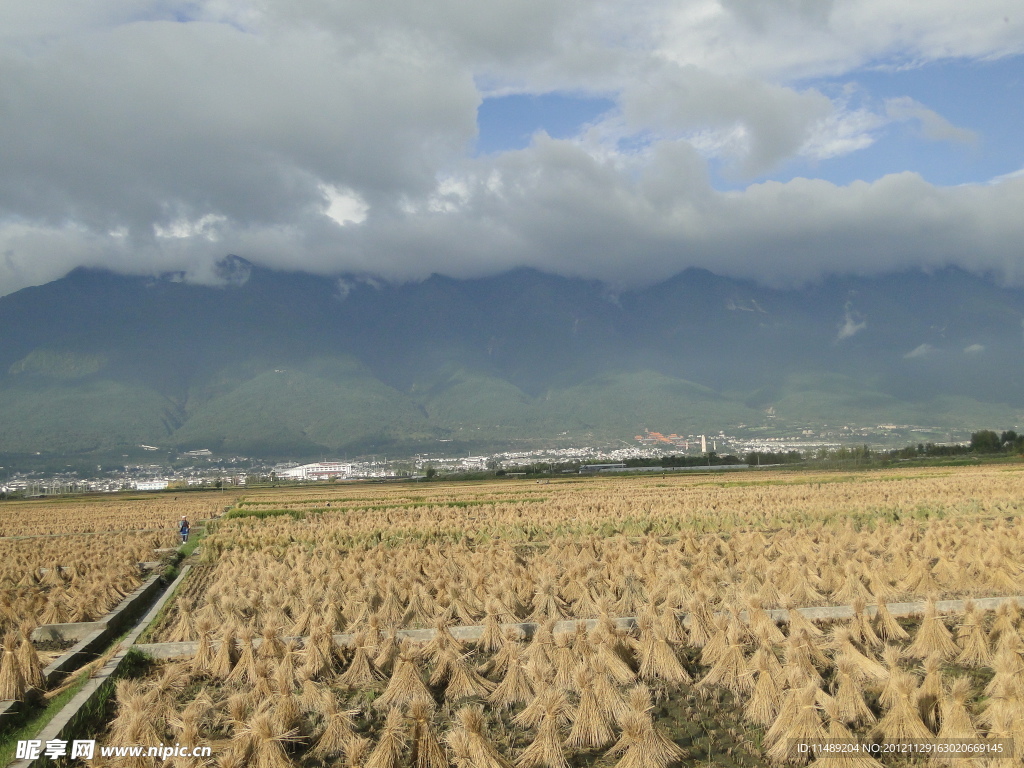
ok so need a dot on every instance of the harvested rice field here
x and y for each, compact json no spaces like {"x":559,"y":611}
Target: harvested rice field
{"x":74,"y":560}
{"x":71,"y":578}
{"x":628,"y":622}
{"x":60,"y":516}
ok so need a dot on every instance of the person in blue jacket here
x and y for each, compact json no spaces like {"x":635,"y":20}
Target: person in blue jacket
{"x":183,"y":529}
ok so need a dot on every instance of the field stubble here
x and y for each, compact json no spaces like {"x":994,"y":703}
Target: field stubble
{"x":722,"y":690}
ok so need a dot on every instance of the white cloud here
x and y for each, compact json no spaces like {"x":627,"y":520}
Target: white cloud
{"x":974,"y":349}
{"x":924,"y":350}
{"x":762,"y":124}
{"x":852,"y":324}
{"x":841,"y":132}
{"x":808,"y":38}
{"x":344,"y":206}
{"x":933,"y":125}
{"x":205,"y":227}
{"x":150,"y":135}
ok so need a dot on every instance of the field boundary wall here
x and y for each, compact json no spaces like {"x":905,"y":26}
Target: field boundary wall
{"x":475,"y":632}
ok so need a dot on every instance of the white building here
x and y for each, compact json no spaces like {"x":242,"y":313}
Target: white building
{"x":322,"y":470}
{"x":151,"y":485}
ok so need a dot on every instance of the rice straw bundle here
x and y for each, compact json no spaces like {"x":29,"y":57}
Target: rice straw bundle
{"x":319,"y":651}
{"x":642,"y":745}
{"x":852,"y":589}
{"x":729,"y":671}
{"x":702,"y":625}
{"x":930,"y":692}
{"x":245,"y":667}
{"x":492,"y":638}
{"x":545,"y":751}
{"x":405,"y":685}
{"x":514,"y":688}
{"x":886,"y":626}
{"x":285,"y":677}
{"x":226,"y":656}
{"x":612,"y":661}
{"x":1007,"y":683}
{"x":932,"y":637}
{"x":512,"y":649}
{"x":12,"y":682}
{"x":134,"y":723}
{"x":850,"y":706}
{"x":545,"y":700}
{"x":717,"y":644}
{"x":801,"y":655}
{"x":798,"y":721}
{"x":28,"y":660}
{"x":391,"y":611}
{"x":426,"y":750}
{"x":469,"y":742}
{"x":609,"y":697}
{"x":272,"y":646}
{"x":657,"y":659}
{"x":356,"y":752}
{"x":860,"y":664}
{"x":302,"y":623}
{"x":202,"y":661}
{"x":262,"y":742}
{"x":287,"y":714}
{"x":671,"y":625}
{"x":443,"y":641}
{"x":420,"y":609}
{"x":317,"y":697}
{"x":591,"y":725}
{"x":838,"y":732}
{"x":798,"y":623}
{"x":338,"y":733}
{"x":955,"y":718}
{"x":971,"y":637}
{"x":1004,"y":630}
{"x":387,"y":652}
{"x":361,"y":672}
{"x":391,"y":746}
{"x":903,"y":721}
{"x":463,"y":682}
{"x":860,"y":627}
{"x":565,"y":660}
{"x":762,"y":625}
{"x":765,"y":700}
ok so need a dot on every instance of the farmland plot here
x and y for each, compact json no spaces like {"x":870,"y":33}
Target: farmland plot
{"x":704,"y":674}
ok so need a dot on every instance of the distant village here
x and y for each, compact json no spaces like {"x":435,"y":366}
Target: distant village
{"x":209,"y":471}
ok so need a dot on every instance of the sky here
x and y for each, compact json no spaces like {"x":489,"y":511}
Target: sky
{"x":777,"y":140}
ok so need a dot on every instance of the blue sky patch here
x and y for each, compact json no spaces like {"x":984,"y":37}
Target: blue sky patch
{"x":509,"y":122}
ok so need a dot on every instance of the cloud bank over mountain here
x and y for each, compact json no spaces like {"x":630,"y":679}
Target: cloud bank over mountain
{"x":149,"y":136}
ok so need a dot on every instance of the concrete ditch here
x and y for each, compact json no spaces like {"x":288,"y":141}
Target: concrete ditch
{"x":126,"y":610}
{"x":77,"y":714}
{"x":91,"y":638}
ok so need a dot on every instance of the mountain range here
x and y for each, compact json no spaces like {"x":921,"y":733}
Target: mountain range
{"x":272,"y":364}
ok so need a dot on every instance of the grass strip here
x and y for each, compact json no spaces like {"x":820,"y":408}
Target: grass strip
{"x":151,"y":631}
{"x":261,"y":514}
{"x":32,"y":720}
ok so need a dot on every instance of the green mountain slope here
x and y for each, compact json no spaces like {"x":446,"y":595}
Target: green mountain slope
{"x":332,"y":405}
{"x":291,"y":364}
{"x":93,"y":415}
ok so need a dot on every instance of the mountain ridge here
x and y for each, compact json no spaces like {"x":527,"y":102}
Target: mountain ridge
{"x":286,"y":363}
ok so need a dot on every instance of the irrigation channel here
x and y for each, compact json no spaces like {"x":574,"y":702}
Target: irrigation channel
{"x":115,"y":634}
